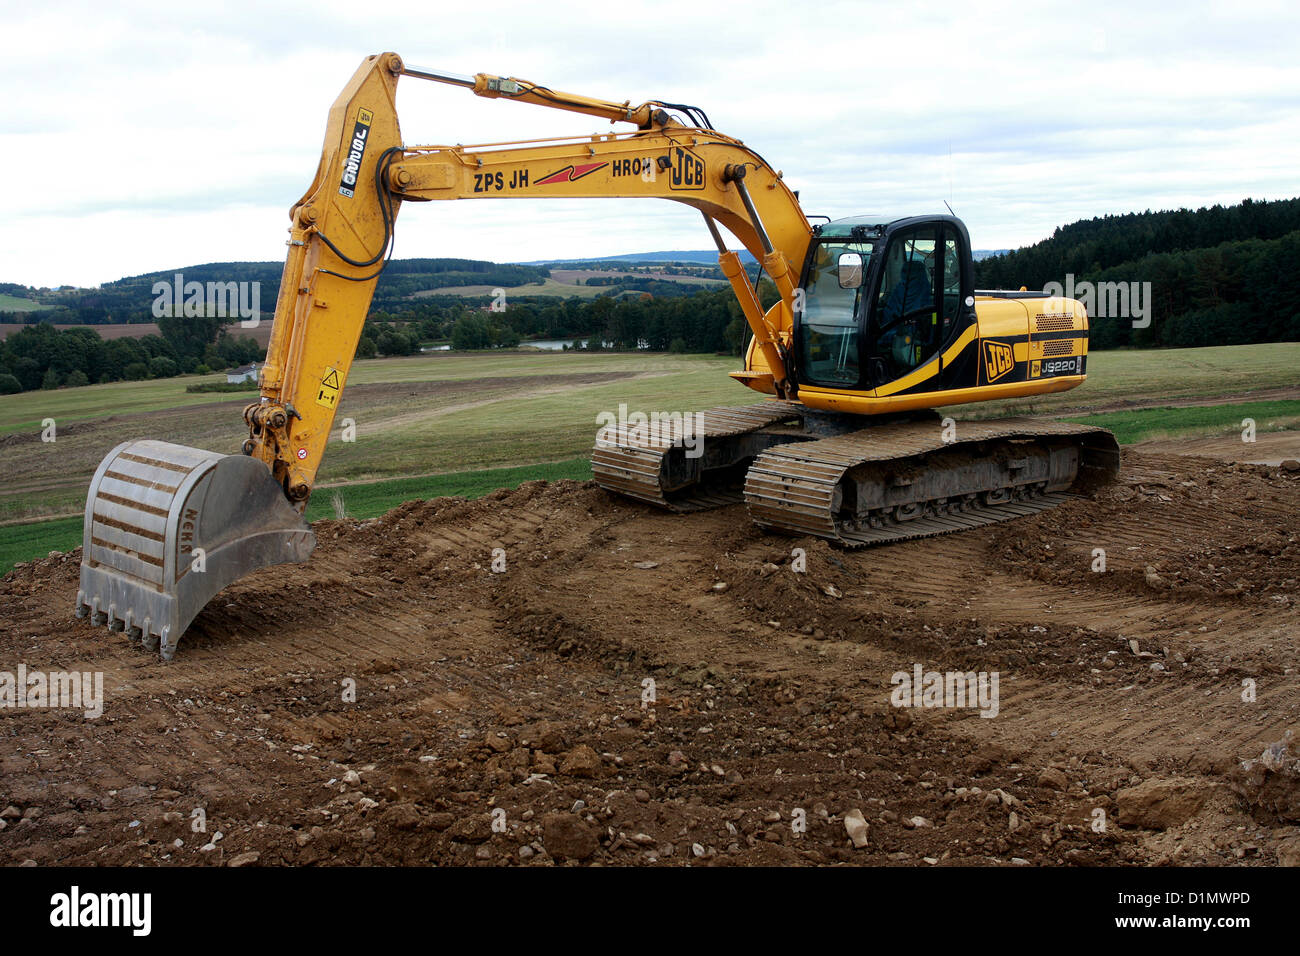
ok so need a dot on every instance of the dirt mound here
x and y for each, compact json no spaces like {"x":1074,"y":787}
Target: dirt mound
{"x":551,"y":675}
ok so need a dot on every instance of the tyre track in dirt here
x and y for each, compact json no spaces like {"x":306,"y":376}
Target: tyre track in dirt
{"x":521,"y":692}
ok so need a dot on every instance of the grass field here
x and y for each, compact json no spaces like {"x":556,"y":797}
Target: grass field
{"x":1141,"y":424}
{"x":25,"y":411}
{"x":545,"y":287}
{"x":26,"y":541}
{"x":13,"y":303}
{"x":1115,"y":378}
{"x":466,"y":423}
{"x":371,"y":499}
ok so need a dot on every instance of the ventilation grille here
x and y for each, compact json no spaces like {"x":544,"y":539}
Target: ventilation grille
{"x":1058,"y":347}
{"x":1053,"y":323}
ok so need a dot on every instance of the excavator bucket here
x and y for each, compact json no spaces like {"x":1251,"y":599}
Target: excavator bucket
{"x":168,"y":526}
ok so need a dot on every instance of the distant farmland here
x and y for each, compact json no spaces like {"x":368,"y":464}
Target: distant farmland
{"x":564,"y":282}
{"x":14,"y":303}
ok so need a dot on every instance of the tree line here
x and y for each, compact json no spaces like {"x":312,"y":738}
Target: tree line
{"x":709,"y":320}
{"x":1222,"y":275}
{"x":41,"y":356}
{"x":131,"y":299}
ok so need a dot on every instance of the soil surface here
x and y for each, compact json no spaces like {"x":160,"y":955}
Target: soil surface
{"x":643,"y":688}
{"x":1268,"y":448}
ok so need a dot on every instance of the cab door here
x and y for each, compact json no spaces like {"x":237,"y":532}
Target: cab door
{"x":920,"y":305}
{"x":903,"y":329}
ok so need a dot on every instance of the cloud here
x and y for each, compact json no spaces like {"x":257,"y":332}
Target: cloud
{"x":157,"y":135}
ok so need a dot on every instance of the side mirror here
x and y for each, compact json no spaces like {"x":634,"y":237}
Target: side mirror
{"x":850,"y":266}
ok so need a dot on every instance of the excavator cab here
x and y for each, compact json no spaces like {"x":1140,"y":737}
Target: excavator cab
{"x":867,"y":328}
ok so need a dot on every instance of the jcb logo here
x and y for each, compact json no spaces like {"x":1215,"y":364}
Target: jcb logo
{"x":998,"y":360}
{"x":688,"y":170}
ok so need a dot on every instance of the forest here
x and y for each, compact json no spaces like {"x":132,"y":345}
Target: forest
{"x":1222,"y":275}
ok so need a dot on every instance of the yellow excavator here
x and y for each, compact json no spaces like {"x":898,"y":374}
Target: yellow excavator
{"x":877,"y":324}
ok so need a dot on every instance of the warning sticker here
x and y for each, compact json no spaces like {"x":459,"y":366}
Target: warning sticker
{"x":328,"y":395}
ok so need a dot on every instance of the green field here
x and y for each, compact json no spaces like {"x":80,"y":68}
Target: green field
{"x":13,"y":303}
{"x":25,"y":411}
{"x":431,"y":414}
{"x":467,"y":423}
{"x":24,"y":542}
{"x":1149,"y":377}
{"x":545,"y":287}
{"x":1142,"y":424}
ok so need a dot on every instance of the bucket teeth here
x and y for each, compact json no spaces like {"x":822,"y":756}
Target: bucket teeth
{"x":168,"y":526}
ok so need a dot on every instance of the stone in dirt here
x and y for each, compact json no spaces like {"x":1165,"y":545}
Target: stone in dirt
{"x":855,"y":824}
{"x":470,"y":828}
{"x":245,"y":859}
{"x":1288,"y":852}
{"x":546,"y":736}
{"x":1053,"y":779}
{"x":581,"y":761}
{"x":1159,"y":804}
{"x":1270,"y":783}
{"x":568,"y":837}
{"x":401,"y":816}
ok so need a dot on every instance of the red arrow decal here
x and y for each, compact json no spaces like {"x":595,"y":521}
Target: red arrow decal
{"x":569,"y":173}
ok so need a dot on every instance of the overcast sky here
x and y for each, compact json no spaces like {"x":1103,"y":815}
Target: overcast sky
{"x":141,"y":136}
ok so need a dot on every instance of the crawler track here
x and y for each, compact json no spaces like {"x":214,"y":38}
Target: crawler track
{"x":808,"y":488}
{"x":653,"y":465}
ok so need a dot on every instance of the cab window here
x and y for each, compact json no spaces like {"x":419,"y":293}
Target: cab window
{"x":828,"y":328}
{"x":951,"y":283}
